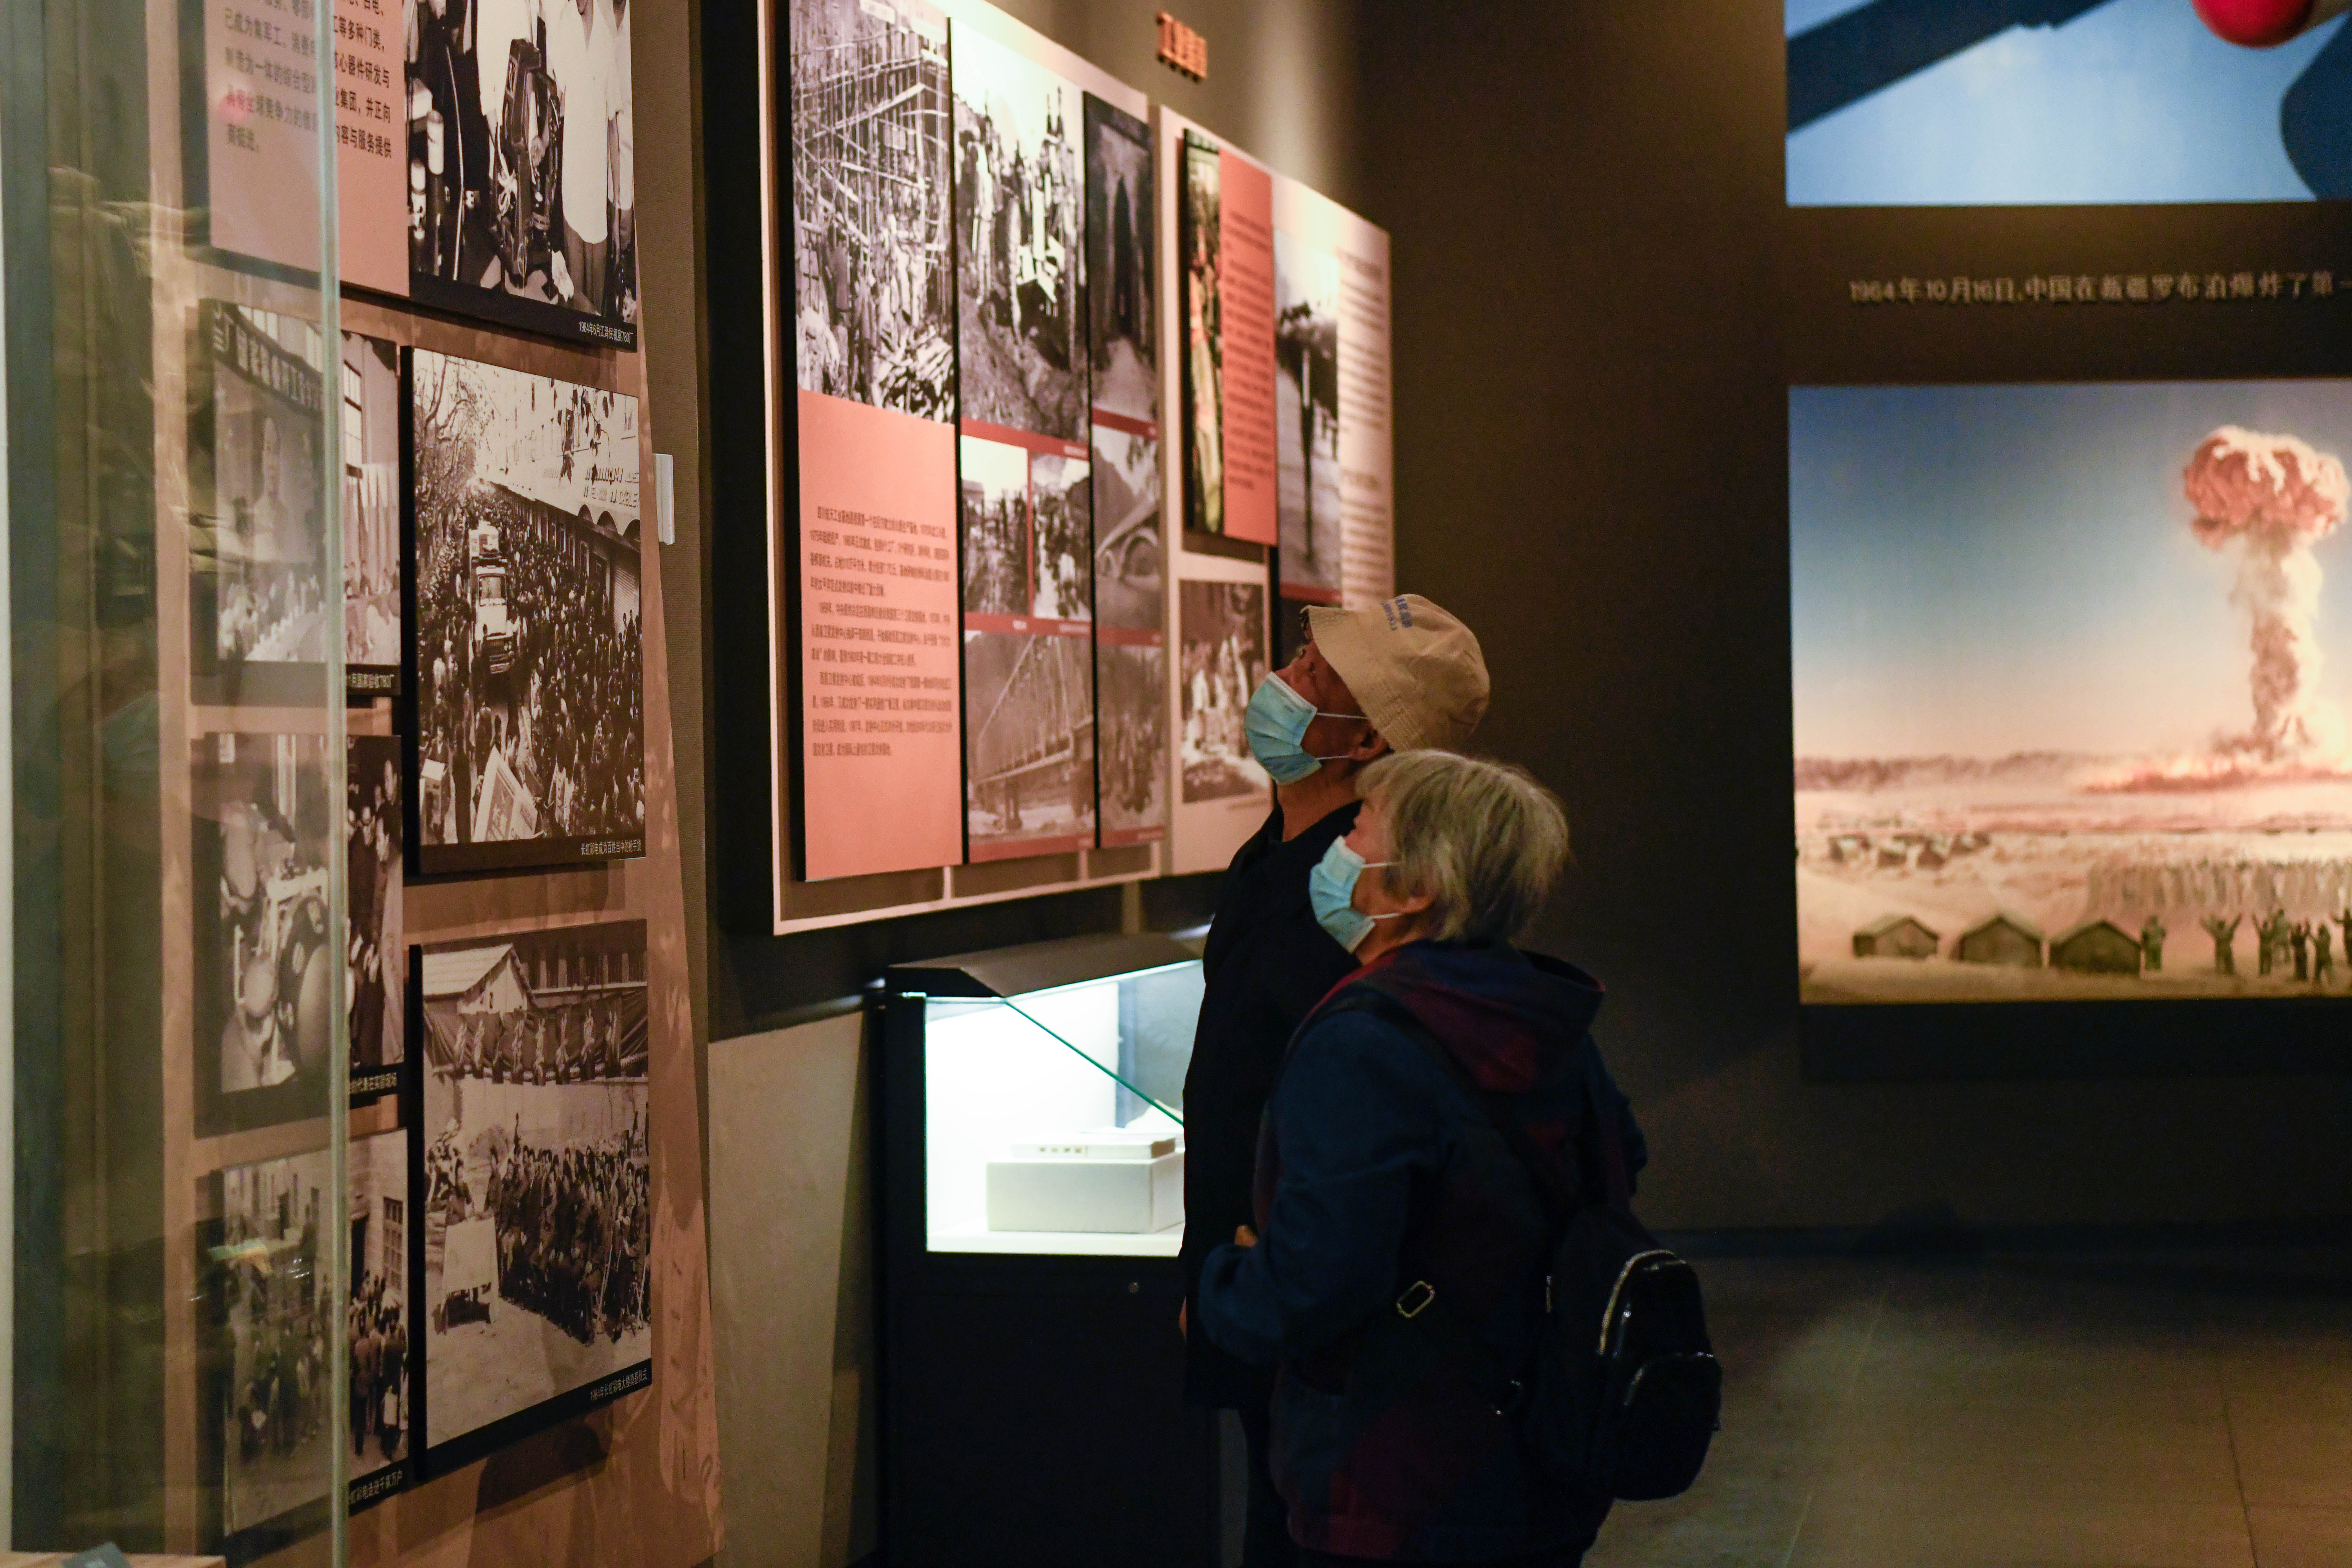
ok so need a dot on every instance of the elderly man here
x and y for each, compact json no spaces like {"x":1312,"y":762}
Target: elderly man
{"x":1400,"y":676}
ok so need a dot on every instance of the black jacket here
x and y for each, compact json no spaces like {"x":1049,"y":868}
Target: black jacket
{"x":1267,"y":966}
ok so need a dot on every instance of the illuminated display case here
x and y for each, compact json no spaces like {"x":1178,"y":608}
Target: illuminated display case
{"x":1031,"y":1179}
{"x":1053,"y":1118}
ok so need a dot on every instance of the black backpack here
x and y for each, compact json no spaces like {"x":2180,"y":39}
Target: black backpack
{"x":1625,"y":1393}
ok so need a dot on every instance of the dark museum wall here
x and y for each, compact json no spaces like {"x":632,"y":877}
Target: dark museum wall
{"x":1592,"y":470}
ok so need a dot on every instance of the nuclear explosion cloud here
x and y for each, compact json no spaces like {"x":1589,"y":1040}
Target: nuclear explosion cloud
{"x":2271,"y":498}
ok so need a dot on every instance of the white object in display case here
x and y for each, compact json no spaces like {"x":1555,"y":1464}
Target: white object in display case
{"x":1114,"y":1185}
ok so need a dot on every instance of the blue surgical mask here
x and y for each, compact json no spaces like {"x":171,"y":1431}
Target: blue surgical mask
{"x":1331,"y":891}
{"x":1275,"y":723}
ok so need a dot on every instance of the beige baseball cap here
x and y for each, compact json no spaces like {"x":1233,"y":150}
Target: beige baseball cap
{"x":1416,"y":670}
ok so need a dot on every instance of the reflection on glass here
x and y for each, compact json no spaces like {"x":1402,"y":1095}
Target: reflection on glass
{"x":176,"y":1327}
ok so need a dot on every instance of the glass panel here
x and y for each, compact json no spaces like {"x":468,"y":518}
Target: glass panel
{"x":1054,"y":1119}
{"x":175,"y":1055}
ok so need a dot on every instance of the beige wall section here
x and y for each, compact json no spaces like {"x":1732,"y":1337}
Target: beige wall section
{"x":792,"y":1303}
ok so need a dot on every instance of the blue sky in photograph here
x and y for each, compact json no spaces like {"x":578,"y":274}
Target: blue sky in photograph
{"x":1985,"y":570}
{"x":2134,"y":101}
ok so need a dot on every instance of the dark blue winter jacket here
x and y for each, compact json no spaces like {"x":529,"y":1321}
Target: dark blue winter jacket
{"x":1375,"y":1169}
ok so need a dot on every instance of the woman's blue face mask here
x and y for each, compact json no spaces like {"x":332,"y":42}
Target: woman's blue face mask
{"x":1331,"y":891}
{"x":1275,"y":723}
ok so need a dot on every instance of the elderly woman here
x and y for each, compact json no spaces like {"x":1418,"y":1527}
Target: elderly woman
{"x":1378,"y":1169}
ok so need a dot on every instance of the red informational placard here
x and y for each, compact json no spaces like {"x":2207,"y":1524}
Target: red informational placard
{"x":1246,"y":297}
{"x":881,"y":776}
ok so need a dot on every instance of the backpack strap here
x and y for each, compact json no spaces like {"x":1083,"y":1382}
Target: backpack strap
{"x":1560,"y":1198}
{"x":1420,"y":1301}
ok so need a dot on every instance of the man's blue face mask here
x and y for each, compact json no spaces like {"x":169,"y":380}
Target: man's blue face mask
{"x":1331,"y":891}
{"x":1275,"y":723}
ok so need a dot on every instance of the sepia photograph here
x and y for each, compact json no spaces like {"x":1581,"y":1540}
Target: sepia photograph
{"x":993,"y":480}
{"x":378,"y":1328}
{"x":2033,"y":102}
{"x":258,"y":617}
{"x":273,"y":1306}
{"x":1131,"y":761}
{"x":1205,"y":461}
{"x":1029,"y":743}
{"x":1021,"y":283}
{"x":1307,"y":418}
{"x":530,"y":712}
{"x":263,"y":963}
{"x":874,"y":286}
{"x":1130,"y":638}
{"x":522,"y":178}
{"x":1221,"y":632}
{"x":375,"y":992}
{"x":370,"y":507}
{"x":2065,"y":724}
{"x":538,"y":1225}
{"x":1028,"y":521}
{"x":1121,"y":253}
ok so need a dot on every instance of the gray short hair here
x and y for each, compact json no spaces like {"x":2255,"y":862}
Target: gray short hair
{"x":1481,"y":839}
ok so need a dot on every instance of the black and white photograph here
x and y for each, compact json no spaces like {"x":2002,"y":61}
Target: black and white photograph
{"x":375,"y":992}
{"x":874,"y":283}
{"x":1221,"y":632}
{"x":1029,"y":743}
{"x":1307,"y":418}
{"x":537,"y":1225}
{"x":272,"y":1305}
{"x":370,"y":505}
{"x":993,"y":478}
{"x":378,"y":1327}
{"x":258,"y":615}
{"x":1028,"y":518}
{"x":1131,"y":765}
{"x":1061,"y":513}
{"x":529,"y":672}
{"x":264,"y":980}
{"x":1203,"y":214}
{"x":1121,"y":252}
{"x":1021,"y":276}
{"x":521,"y":183}
{"x":1130,"y":638}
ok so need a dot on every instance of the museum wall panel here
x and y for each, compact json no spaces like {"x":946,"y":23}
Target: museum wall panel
{"x":754,"y":979}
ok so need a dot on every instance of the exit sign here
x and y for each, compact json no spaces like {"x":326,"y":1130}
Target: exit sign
{"x":1182,"y":49}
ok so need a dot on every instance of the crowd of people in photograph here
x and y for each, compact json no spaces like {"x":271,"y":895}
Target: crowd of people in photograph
{"x":279,"y":1378}
{"x":378,"y":1330}
{"x":575,"y":1234}
{"x":599,"y":1038}
{"x":1064,"y":524}
{"x":566,"y":714}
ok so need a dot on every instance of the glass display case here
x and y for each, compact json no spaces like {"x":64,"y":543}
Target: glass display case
{"x":1031,"y":1111}
{"x":1054,"y":1113}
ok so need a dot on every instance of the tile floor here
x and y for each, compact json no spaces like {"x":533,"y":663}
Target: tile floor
{"x":2187,"y":1410}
